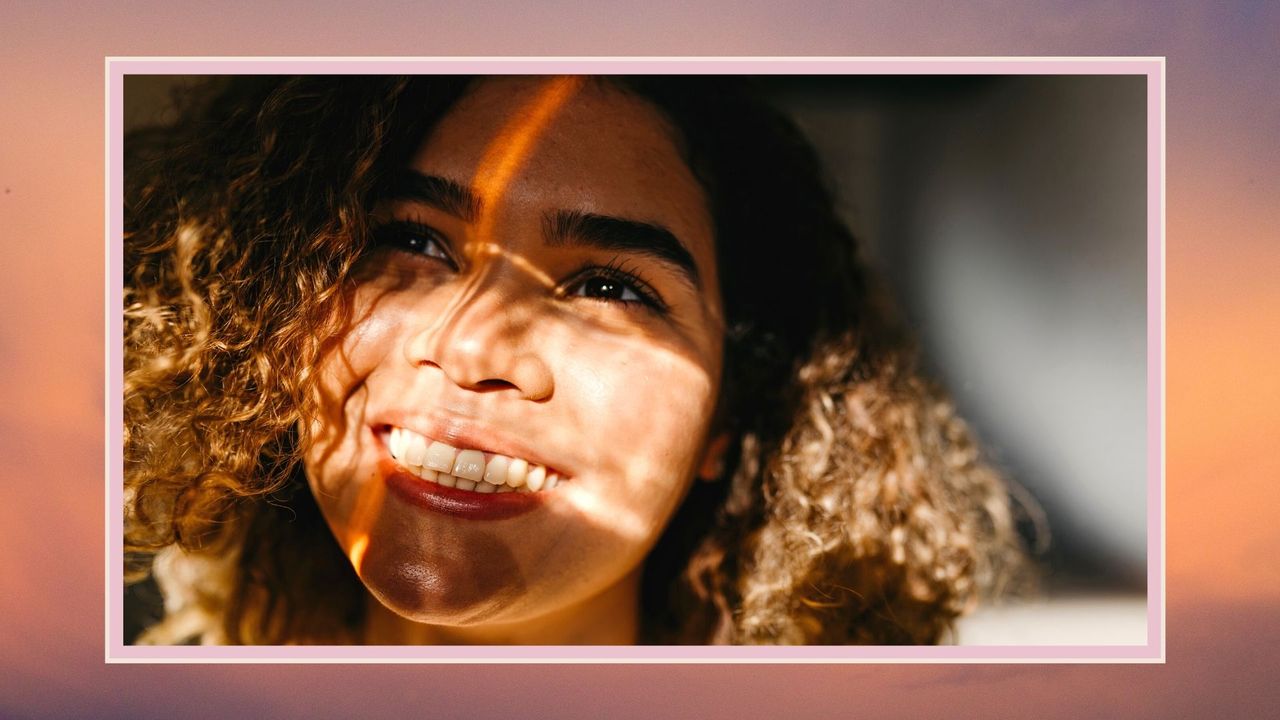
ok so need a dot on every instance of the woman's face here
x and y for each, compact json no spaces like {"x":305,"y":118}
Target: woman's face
{"x":541,"y":310}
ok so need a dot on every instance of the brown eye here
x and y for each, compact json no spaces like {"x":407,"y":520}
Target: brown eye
{"x":617,"y":283}
{"x":614,"y":284}
{"x":606,"y":288}
{"x":426,"y":246}
{"x":415,"y":238}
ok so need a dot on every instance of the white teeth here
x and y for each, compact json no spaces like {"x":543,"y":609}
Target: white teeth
{"x":537,"y":476}
{"x":496,"y":472}
{"x":395,"y":443}
{"x":516,"y":472}
{"x":415,"y":448}
{"x":467,"y":469}
{"x":469,"y":465}
{"x":440,"y":457}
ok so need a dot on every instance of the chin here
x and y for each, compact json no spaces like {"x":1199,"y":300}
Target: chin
{"x":444,"y":585}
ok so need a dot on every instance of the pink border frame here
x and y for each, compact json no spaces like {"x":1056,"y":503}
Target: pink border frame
{"x":1152,"y":68}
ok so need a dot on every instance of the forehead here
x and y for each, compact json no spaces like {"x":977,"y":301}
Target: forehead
{"x":568,"y":143}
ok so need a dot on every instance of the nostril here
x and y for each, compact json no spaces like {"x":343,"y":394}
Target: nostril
{"x":475,"y":366}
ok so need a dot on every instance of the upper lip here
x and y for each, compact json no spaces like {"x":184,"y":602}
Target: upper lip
{"x":468,"y":434}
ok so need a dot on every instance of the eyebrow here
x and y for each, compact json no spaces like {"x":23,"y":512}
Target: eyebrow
{"x":440,"y":193}
{"x":574,"y":228}
{"x":561,"y":228}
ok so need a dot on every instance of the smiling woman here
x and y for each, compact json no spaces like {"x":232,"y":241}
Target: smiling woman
{"x":526,"y":360}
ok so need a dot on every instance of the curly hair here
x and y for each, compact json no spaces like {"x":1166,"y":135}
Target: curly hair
{"x":856,"y":507}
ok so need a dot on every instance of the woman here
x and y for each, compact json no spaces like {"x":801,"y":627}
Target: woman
{"x":526,"y":360}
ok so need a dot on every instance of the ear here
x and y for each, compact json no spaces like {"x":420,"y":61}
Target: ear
{"x":713,"y":458}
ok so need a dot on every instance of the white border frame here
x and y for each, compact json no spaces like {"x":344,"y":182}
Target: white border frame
{"x":1153,"y":68}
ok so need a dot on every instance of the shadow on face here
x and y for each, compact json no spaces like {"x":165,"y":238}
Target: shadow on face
{"x":543,"y":290}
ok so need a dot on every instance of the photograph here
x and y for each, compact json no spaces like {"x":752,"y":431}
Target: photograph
{"x":635,"y":360}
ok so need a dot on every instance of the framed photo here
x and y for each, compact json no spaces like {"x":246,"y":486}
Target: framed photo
{"x":635,"y":360}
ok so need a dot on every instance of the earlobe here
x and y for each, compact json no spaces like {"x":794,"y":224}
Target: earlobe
{"x":712,"y":466}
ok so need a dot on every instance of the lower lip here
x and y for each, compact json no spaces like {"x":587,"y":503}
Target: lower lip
{"x":452,"y":501}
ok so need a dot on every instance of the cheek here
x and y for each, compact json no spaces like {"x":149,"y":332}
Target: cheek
{"x":642,"y":415}
{"x":368,"y":344}
{"x":336,"y":429}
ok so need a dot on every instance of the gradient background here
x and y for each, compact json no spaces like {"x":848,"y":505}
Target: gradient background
{"x":1223,"y":393}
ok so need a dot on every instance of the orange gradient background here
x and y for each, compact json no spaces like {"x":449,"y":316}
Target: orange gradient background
{"x":1223,"y":400}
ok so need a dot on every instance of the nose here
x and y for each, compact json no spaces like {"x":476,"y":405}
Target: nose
{"x":481,"y":339}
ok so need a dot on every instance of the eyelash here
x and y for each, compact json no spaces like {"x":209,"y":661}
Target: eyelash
{"x":414,"y":237}
{"x":616,"y":271}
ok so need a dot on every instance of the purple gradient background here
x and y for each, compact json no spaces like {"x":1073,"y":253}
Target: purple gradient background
{"x":1223,"y":391}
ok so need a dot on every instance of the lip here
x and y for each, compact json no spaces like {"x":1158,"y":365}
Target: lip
{"x":452,"y":501}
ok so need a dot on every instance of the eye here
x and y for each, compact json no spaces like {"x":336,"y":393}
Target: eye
{"x":605,"y":288}
{"x":613,"y":284}
{"x":415,"y":238}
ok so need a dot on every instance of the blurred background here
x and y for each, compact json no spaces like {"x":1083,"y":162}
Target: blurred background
{"x":1009,"y":216}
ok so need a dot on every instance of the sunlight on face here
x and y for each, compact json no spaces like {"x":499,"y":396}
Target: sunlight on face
{"x":543,"y":306}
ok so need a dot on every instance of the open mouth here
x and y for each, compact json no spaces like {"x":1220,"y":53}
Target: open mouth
{"x":465,"y":468}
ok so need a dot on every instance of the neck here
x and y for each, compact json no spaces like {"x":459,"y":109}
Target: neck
{"x":610,"y":617}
